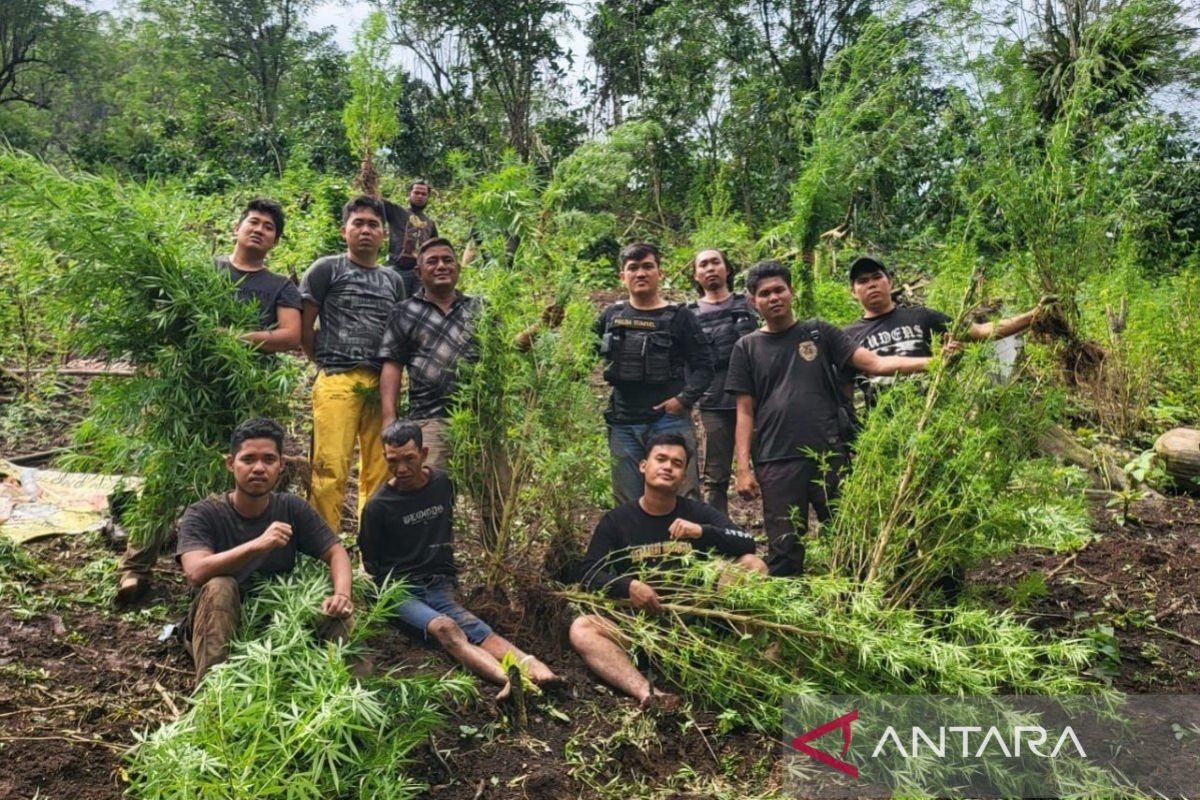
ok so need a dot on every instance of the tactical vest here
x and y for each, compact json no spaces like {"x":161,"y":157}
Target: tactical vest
{"x":726,"y":326}
{"x":637,"y":346}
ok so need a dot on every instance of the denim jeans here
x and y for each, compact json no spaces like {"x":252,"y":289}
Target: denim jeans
{"x":627,"y":446}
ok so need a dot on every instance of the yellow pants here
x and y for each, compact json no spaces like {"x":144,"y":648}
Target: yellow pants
{"x":345,"y":408}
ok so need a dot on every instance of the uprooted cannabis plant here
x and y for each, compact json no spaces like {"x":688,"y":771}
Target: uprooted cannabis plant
{"x":144,"y":292}
{"x":285,"y":717}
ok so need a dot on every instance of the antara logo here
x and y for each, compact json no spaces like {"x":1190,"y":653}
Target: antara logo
{"x":842,"y":723}
{"x":976,"y":741}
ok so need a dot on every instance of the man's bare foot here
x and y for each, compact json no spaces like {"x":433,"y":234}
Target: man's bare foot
{"x":505,"y":691}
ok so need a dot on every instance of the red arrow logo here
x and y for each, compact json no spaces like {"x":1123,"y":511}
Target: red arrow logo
{"x":843,"y":722}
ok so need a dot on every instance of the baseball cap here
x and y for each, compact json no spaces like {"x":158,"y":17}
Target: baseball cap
{"x":866,"y":264}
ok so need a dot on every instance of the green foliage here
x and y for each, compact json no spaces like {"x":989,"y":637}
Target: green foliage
{"x":370,"y":113}
{"x":920,"y":501}
{"x":752,"y":644}
{"x":284,"y":716}
{"x":148,"y":295}
{"x":35,"y":319}
{"x":524,"y":441}
{"x":862,"y":120}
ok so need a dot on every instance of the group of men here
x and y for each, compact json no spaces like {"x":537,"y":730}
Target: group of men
{"x":771,"y":392}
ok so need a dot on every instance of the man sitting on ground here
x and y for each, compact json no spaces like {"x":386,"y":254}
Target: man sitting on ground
{"x":407,"y":534}
{"x":225,"y":542}
{"x":657,"y":525}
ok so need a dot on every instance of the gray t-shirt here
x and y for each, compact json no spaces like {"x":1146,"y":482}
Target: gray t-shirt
{"x":216,"y":526}
{"x":794,"y":402}
{"x":354,"y":303}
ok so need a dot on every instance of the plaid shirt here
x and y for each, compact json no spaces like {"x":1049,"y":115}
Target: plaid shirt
{"x":430,"y":344}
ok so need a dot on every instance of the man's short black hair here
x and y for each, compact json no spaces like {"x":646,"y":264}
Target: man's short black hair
{"x":419,"y":182}
{"x":265,"y":205}
{"x":437,"y":241}
{"x":256,"y":429}
{"x":364,"y":202}
{"x":766,"y":269}
{"x":730,"y":269}
{"x":403,"y":431}
{"x":636,"y":252}
{"x":669,"y":440}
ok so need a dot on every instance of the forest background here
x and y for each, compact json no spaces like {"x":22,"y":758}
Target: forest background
{"x":992,"y":153}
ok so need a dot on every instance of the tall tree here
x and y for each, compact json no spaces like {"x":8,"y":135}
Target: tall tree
{"x":261,"y":41}
{"x":511,"y":44}
{"x":35,"y":41}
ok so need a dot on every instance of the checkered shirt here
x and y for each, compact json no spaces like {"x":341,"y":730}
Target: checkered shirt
{"x":429,"y":344}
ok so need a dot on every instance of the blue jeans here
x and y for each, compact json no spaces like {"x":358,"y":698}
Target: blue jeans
{"x":627,"y":446}
{"x":436,"y":599}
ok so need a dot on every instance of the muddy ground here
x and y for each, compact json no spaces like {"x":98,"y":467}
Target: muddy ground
{"x":79,"y":678}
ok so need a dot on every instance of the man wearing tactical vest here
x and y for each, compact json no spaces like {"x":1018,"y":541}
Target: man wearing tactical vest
{"x":646,"y":344}
{"x":725,"y":317}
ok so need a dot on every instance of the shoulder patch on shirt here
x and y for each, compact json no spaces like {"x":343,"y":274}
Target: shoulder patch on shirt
{"x":807,"y":350}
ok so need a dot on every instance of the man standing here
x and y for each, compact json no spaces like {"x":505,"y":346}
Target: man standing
{"x":657,"y":527}
{"x":429,"y":334}
{"x":353,"y":296}
{"x":258,"y":230}
{"x":646,"y":343}
{"x":725,"y":317}
{"x":407,"y":534}
{"x":409,"y":228}
{"x":892,"y":330}
{"x":788,"y":405}
{"x":252,"y":532}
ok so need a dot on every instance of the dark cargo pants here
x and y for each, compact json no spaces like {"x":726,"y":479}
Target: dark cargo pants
{"x":718,"y":456}
{"x":788,"y":489}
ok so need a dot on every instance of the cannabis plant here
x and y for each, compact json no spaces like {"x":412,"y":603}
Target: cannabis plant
{"x":144,"y":292}
{"x":284,"y":716}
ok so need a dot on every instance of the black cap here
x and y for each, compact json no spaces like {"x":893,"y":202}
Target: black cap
{"x":864,"y":264}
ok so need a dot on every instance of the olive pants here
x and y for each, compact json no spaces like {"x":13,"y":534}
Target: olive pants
{"x":213,"y":620}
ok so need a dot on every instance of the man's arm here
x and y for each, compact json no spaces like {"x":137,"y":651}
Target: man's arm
{"x":596,"y":572}
{"x":389,"y":388}
{"x":872,"y":363}
{"x":338,"y":604}
{"x":980,"y":331}
{"x":308,"y":319}
{"x":200,"y":566}
{"x":714,"y":531}
{"x":283,"y":337}
{"x":743,"y":434}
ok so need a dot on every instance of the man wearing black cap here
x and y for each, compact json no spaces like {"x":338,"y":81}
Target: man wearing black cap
{"x":889,"y":329}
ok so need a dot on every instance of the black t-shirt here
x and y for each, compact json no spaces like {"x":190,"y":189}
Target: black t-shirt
{"x":794,"y":402}
{"x":215,"y":525}
{"x":268,"y":289}
{"x":725,"y":323}
{"x":408,"y":229}
{"x":903,"y":331}
{"x":354,"y":303}
{"x":628,"y":536}
{"x":668,"y":340}
{"x":409,"y":534}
